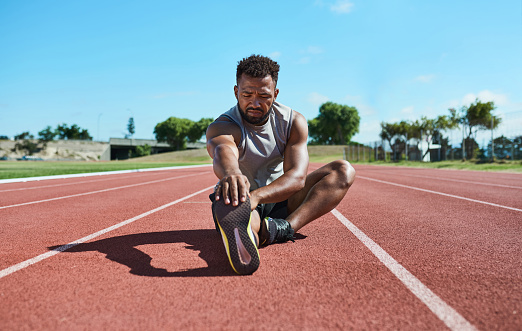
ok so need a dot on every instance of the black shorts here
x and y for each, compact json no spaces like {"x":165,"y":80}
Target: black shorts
{"x":274,"y":210}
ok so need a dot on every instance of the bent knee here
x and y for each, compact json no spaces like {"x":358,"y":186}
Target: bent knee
{"x":345,"y":172}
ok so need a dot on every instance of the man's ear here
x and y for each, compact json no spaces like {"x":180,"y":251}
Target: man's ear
{"x":276,"y":92}
{"x":236,"y":90}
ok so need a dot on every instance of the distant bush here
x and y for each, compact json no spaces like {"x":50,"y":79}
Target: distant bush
{"x":143,"y":150}
{"x":26,"y":145}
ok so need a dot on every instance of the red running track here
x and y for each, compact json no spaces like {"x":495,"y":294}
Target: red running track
{"x":406,"y":249}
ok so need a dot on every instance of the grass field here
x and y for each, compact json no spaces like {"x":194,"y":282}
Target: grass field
{"x":509,"y":166}
{"x":23,"y":169}
{"x":318,"y":154}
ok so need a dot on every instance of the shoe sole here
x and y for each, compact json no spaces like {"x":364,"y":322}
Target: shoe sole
{"x":237,"y":235}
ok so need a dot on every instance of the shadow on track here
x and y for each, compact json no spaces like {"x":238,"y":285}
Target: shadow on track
{"x":123,"y":250}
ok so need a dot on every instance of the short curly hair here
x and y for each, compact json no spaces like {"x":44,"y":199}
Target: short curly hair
{"x":257,"y":66}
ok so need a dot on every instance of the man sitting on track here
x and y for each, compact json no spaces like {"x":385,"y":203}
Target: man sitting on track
{"x":259,"y":152}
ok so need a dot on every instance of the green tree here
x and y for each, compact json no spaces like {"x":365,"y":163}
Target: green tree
{"x":74,"y":132}
{"x":387,"y":132}
{"x":397,"y":134}
{"x":174,"y":131}
{"x":414,"y":131}
{"x":517,"y":148}
{"x":335,"y":125}
{"x":130,"y":128}
{"x":84,"y":135}
{"x":403,"y":135}
{"x":478,"y":116}
{"x":504,"y":147}
{"x":432,"y":128}
{"x":63,"y":131}
{"x":23,"y":135}
{"x":198,"y":129}
{"x":46,"y":134}
{"x":393,"y":132}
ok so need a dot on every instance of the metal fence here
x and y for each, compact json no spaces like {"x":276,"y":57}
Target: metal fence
{"x":450,"y":145}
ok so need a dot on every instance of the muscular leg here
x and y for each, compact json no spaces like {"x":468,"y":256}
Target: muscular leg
{"x":324,"y":189}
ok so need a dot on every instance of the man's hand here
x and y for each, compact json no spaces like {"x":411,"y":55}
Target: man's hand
{"x":254,"y":199}
{"x":232,"y":189}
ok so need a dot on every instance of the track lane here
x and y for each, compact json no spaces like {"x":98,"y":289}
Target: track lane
{"x":35,"y":185}
{"x":441,"y":309}
{"x":326,"y":279}
{"x":505,"y":196}
{"x":491,"y":177}
{"x":320,"y":277}
{"x":468,"y":254}
{"x":415,"y":188}
{"x":510,"y":183}
{"x":77,"y":186}
{"x":70,"y":246}
{"x":78,"y":216}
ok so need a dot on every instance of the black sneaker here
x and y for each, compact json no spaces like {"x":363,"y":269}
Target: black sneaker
{"x":275,"y":230}
{"x":233,"y":222}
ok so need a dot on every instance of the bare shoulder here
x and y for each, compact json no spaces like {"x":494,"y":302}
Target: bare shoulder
{"x":223,"y":128}
{"x":299,"y":118}
{"x":299,"y":130}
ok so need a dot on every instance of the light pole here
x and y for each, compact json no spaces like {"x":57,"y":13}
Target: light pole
{"x":406,"y":146}
{"x":492,"y":142}
{"x":463,"y":141}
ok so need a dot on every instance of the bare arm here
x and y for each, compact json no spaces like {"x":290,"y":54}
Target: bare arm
{"x":222,"y":138}
{"x":295,"y":167}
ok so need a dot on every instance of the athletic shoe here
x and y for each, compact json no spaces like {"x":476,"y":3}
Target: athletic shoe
{"x":233,"y":222}
{"x":275,"y":230}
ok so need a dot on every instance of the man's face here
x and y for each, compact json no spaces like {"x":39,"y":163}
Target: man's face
{"x":255,"y":97}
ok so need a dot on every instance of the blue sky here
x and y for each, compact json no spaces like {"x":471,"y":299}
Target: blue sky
{"x":97,"y":63}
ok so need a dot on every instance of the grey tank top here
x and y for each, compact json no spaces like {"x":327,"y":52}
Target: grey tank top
{"x":261,"y":149}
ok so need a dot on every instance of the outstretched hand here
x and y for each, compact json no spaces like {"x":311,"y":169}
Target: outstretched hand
{"x":233,"y":189}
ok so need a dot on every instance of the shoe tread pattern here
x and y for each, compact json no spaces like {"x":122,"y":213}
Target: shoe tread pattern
{"x":229,"y":218}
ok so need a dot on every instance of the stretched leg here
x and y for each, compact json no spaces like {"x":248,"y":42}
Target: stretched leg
{"x":324,"y":189}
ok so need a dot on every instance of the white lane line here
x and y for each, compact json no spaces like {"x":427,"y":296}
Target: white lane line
{"x":66,"y":184}
{"x":440,"y":193}
{"x":441,"y":309}
{"x":44,"y":256}
{"x":30,"y":179}
{"x":101,"y":191}
{"x":456,"y":180}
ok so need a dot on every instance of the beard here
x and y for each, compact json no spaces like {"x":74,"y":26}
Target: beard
{"x":254,"y":120}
